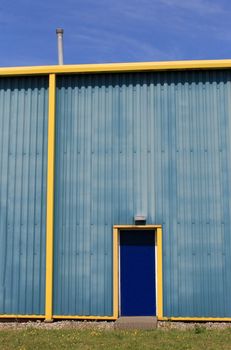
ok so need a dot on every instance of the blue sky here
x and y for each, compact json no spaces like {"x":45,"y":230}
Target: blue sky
{"x":114,"y":31}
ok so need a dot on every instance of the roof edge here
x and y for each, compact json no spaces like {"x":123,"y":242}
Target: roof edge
{"x":117,"y":67}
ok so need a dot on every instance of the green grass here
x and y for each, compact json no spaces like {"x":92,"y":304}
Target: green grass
{"x":43,"y":339}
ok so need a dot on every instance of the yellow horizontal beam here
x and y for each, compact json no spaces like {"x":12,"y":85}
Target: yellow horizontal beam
{"x":193,"y":319}
{"x":21,"y":316}
{"x":132,"y":227}
{"x":196,"y":319}
{"x":117,"y":67}
{"x":84,"y":317}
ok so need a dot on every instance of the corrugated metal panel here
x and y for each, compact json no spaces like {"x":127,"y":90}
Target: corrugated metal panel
{"x":23,"y":154}
{"x":156,"y":144}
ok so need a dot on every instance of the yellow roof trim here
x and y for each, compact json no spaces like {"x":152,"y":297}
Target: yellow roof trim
{"x":117,"y":67}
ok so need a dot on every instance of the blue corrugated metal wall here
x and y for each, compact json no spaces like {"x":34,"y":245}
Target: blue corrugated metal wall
{"x":156,"y":144}
{"x":23,"y":156}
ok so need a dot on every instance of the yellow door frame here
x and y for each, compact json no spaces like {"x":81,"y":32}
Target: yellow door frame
{"x":158,"y":233}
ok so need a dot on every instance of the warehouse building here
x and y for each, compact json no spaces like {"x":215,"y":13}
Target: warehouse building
{"x":115,"y":184}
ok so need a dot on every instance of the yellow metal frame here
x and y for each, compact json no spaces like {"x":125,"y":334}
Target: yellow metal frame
{"x":76,"y":317}
{"x":197,"y":319}
{"x":158,"y":232}
{"x":50,"y":198}
{"x":21,"y":316}
{"x":52,"y":71}
{"x":117,"y":67}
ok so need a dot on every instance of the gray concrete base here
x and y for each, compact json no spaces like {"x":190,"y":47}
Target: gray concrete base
{"x":136,"y":322}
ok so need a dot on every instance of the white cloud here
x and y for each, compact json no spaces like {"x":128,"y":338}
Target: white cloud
{"x":112,"y":42}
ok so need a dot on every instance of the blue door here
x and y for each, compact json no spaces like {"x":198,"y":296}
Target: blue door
{"x":137,"y":273}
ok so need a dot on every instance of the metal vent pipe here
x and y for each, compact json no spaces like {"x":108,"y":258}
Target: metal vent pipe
{"x":59,"y":32}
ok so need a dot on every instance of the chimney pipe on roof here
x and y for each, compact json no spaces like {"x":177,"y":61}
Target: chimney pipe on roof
{"x":59,"y":32}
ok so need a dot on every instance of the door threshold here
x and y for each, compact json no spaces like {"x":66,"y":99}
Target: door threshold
{"x":136,"y":322}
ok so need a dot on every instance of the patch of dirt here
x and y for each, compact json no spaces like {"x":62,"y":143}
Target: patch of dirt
{"x":105,"y":325}
{"x":56,"y":325}
{"x":192,"y":325}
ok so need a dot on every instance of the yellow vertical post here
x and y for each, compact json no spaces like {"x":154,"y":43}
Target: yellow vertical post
{"x":159,"y":274}
{"x":115,"y":274}
{"x":50,"y":199}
